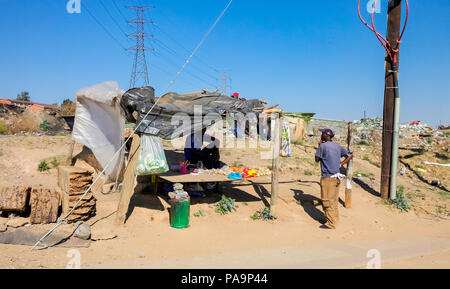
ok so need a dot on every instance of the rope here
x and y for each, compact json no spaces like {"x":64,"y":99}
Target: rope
{"x":117,"y":153}
{"x":391,"y":51}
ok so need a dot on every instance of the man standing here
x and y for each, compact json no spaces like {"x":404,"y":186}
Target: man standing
{"x":329,"y":155}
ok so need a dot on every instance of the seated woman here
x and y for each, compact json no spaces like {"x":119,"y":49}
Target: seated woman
{"x":209,"y":155}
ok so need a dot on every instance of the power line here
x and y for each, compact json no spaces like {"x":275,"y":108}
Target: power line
{"x":139,"y":65}
{"x":182,"y":46}
{"x":153,"y":65}
{"x":102,"y":26}
{"x":174,"y":53}
{"x":199,"y":45}
{"x":120,"y":11}
{"x":113,"y":19}
{"x":169,"y":61}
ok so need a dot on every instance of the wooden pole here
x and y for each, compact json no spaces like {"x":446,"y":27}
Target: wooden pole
{"x":128,"y":181}
{"x":348,"y":187}
{"x":275,"y":118}
{"x":393,"y":33}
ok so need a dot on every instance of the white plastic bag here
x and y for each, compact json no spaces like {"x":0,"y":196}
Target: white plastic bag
{"x":100,"y":124}
{"x":152,"y":159}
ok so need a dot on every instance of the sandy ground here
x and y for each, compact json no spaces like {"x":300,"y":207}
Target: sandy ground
{"x":416,"y":239}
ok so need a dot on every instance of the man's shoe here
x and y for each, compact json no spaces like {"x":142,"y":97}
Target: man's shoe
{"x":324,"y":227}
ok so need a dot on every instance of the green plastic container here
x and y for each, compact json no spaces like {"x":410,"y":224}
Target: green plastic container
{"x":179,"y":214}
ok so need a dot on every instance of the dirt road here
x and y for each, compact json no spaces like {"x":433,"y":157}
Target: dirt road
{"x":404,"y":240}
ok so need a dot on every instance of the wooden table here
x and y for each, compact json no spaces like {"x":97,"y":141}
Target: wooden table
{"x":204,"y":177}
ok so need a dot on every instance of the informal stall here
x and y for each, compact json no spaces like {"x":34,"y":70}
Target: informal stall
{"x":173,"y":116}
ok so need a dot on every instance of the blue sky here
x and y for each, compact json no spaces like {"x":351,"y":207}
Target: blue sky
{"x":312,"y":56}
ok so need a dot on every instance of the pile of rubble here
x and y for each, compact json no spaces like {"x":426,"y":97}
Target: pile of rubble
{"x":368,"y":129}
{"x":371,"y":129}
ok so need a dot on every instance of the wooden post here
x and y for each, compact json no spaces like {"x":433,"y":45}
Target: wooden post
{"x":393,"y":33}
{"x":275,"y":118}
{"x":299,"y":129}
{"x":348,"y":185}
{"x":70,"y":153}
{"x":128,"y":181}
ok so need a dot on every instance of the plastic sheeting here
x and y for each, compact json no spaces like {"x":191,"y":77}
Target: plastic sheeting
{"x":100,"y":124}
{"x":160,"y":120}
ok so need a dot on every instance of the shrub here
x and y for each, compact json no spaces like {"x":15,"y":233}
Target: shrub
{"x":45,"y":125}
{"x":308,"y":173}
{"x":422,"y":151}
{"x":264,"y":214}
{"x":199,"y":214}
{"x":226,"y":205}
{"x":2,"y":127}
{"x":401,"y":202}
{"x":55,"y":162}
{"x":298,"y":142}
{"x":366,"y":158}
{"x":363,"y":142}
{"x":444,"y":195}
{"x":43,"y":166}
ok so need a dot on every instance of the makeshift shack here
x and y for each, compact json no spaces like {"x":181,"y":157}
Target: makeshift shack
{"x":172,"y":116}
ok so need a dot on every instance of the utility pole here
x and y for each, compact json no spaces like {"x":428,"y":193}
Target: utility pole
{"x":390,"y":149}
{"x":224,"y":80}
{"x":349,"y":177}
{"x":139,"y":74}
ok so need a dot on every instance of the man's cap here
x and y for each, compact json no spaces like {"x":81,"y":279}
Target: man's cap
{"x":235,"y":94}
{"x":328,"y":131}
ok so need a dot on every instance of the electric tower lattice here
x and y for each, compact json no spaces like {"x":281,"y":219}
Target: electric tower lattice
{"x":139,"y":73}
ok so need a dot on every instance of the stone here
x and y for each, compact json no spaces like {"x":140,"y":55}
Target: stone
{"x":3,"y":227}
{"x":17,"y":222}
{"x":102,"y":234}
{"x":82,"y":231}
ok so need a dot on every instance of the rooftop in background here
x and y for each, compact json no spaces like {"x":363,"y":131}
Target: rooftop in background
{"x":27,"y":103}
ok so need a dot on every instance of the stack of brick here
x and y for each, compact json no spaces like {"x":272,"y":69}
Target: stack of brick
{"x":14,"y":199}
{"x":74,"y":182}
{"x":44,"y":204}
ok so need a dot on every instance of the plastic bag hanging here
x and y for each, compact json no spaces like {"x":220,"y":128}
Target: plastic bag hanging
{"x":152,"y":159}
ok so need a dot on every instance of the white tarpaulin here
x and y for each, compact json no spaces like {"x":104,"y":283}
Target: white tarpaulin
{"x":100,"y":124}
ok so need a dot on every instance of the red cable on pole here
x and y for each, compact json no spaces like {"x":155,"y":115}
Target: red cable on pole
{"x":392,"y":52}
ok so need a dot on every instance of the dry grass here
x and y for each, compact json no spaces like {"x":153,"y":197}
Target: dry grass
{"x":2,"y":126}
{"x":21,"y":124}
